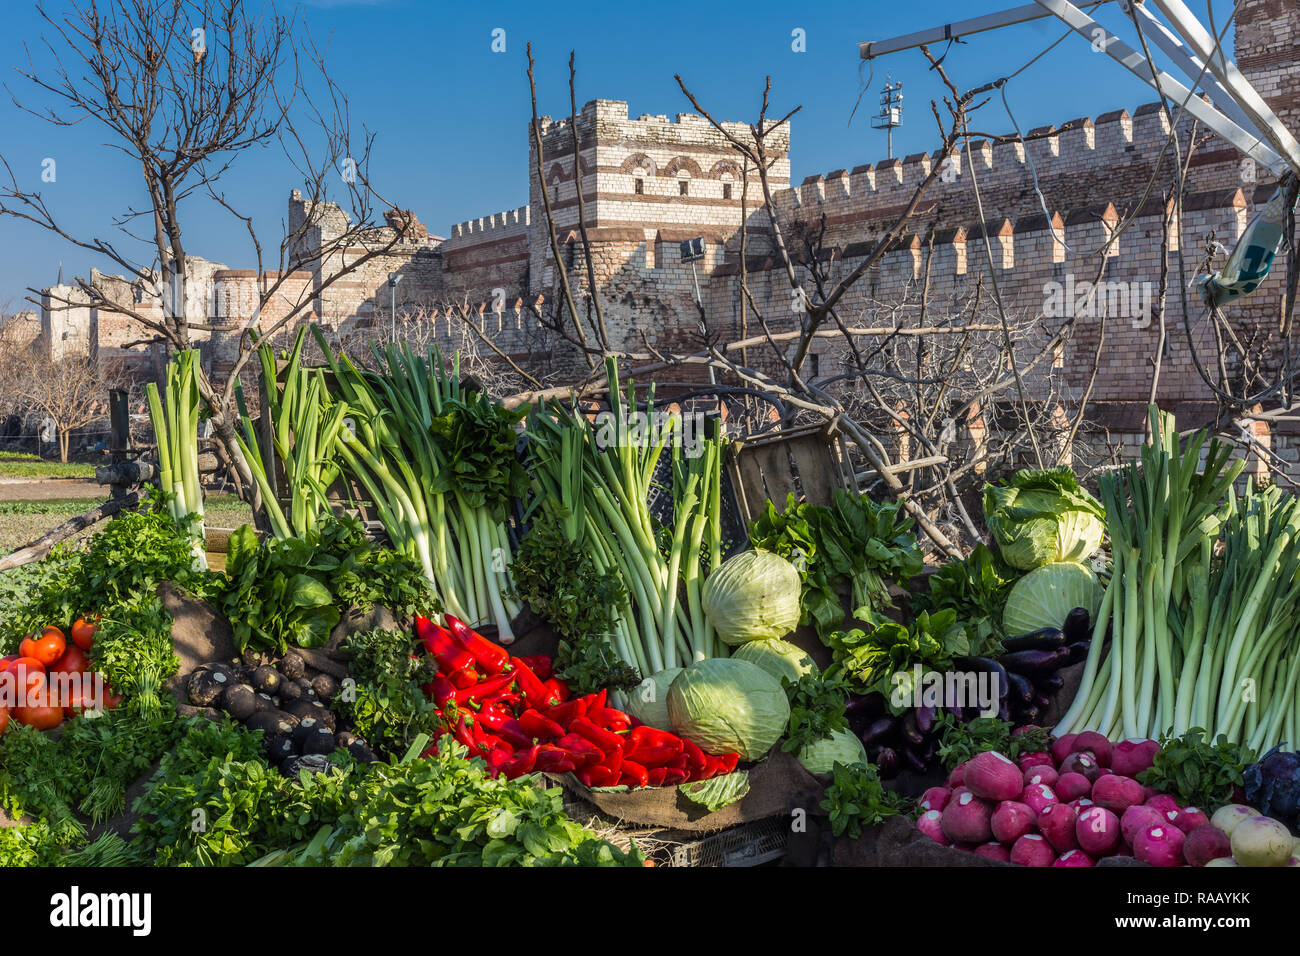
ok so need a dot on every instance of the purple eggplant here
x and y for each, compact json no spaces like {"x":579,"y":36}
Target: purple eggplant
{"x":924,"y":719}
{"x":877,"y":731}
{"x":914,"y":760}
{"x":911,"y":732}
{"x":1050,"y":684}
{"x":985,"y":665}
{"x":1077,"y":626}
{"x":1035,"y":662}
{"x":1022,"y":690}
{"x":886,"y":761}
{"x":868,"y":705}
{"x":1078,"y":651}
{"x":1004,"y":712}
{"x":1041,"y":640}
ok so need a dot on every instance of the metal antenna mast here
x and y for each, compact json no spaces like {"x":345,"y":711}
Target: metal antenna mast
{"x":891,"y":110}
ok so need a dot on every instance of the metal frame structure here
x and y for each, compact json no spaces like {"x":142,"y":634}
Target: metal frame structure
{"x":1236,"y":112}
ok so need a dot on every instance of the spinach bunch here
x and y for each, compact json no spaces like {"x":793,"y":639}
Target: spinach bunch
{"x":868,"y":658}
{"x":855,"y":542}
{"x":476,"y":438}
{"x":976,"y":588}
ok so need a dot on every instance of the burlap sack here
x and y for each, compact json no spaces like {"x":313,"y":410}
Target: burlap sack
{"x":777,"y":786}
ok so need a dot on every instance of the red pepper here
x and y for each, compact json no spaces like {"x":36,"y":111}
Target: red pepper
{"x":492,"y":658}
{"x":486,"y":691}
{"x":440,"y":690}
{"x":613,"y":762}
{"x":564,"y":713}
{"x":597,"y":776}
{"x":556,"y":687}
{"x":534,"y":724}
{"x":602,"y":738}
{"x":553,"y":759}
{"x":609,"y":718}
{"x":657,"y":775}
{"x":522,"y":762}
{"x":496,"y":760}
{"x":505,"y":726}
{"x":464,"y":678}
{"x":729,"y":762}
{"x":508,"y":700}
{"x":597,"y":700}
{"x":535,"y":692}
{"x":672,"y":776}
{"x":652,"y":755}
{"x":634,"y":775}
{"x":696,"y":759}
{"x":581,"y":747}
{"x":451,"y":657}
{"x":651,"y":747}
{"x":465,"y":733}
{"x":540,"y":665}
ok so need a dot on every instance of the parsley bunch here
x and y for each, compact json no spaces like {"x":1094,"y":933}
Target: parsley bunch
{"x":1198,"y":772}
{"x":856,"y":798}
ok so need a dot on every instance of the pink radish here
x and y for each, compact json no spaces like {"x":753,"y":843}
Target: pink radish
{"x":1188,"y":819}
{"x":1041,"y":773}
{"x":993,"y":851}
{"x":957,"y":777}
{"x":1092,"y":742}
{"x":1116,"y":793}
{"x":1072,"y":786}
{"x":1039,"y":797}
{"x":1036,"y":760}
{"x":1097,"y":831}
{"x":1063,"y":747}
{"x":966,"y":819}
{"x":991,"y":776}
{"x":1163,"y":802}
{"x":1131,"y":757}
{"x":1205,"y":844}
{"x":1032,"y":850}
{"x":1082,"y":763}
{"x":936,"y":798}
{"x":1083,"y":803}
{"x":1074,"y":858}
{"x":1159,"y":845}
{"x":1056,"y":823}
{"x":1148,"y":793}
{"x":1138,"y":818}
{"x":930,"y":823}
{"x":1011,"y":820}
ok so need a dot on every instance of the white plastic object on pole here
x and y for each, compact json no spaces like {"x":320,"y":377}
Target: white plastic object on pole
{"x":1226,"y":72}
{"x":1252,"y":257}
{"x":1163,"y":82}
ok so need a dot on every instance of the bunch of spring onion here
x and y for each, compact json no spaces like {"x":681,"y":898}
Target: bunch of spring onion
{"x":305,"y":425}
{"x":598,"y":479}
{"x":1166,"y":521}
{"x":177,"y":434}
{"x":438,"y":462}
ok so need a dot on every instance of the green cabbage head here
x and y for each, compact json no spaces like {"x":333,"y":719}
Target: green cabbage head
{"x":779,"y":658}
{"x":1046,"y":595}
{"x":752,"y":596}
{"x":1043,"y":515}
{"x":648,"y":700}
{"x":723,"y":705}
{"x":821,"y":756}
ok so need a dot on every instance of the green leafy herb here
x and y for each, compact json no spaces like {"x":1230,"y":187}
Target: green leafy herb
{"x":975,"y":588}
{"x":387,"y":708}
{"x":717,"y":792}
{"x":477,"y":437}
{"x":856,"y":542}
{"x":1197,"y":772}
{"x":816,"y":709}
{"x":856,"y":798}
{"x":561,"y":584}
{"x":959,"y":742}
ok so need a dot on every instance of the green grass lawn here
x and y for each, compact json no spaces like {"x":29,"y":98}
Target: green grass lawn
{"x":24,"y":521}
{"x":15,"y":464}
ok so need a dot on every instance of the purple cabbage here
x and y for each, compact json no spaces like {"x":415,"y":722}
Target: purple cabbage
{"x":1273,"y":785}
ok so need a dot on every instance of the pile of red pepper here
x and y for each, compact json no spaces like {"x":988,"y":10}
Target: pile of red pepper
{"x":519,"y":718}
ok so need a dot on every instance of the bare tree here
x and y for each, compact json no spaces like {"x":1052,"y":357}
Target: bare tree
{"x":184,"y":87}
{"x":70,"y":390}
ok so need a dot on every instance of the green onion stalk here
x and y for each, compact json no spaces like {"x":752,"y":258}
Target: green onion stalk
{"x":598,"y":479}
{"x":1164,"y":514}
{"x":305,"y":425}
{"x":395,"y":453}
{"x":177,"y":432}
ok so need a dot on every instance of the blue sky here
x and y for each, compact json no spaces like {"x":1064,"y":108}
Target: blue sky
{"x":451,"y":115}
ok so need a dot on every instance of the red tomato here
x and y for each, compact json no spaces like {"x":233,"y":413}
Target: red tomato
{"x":6,"y":661}
{"x":83,"y":632}
{"x":31,"y":663}
{"x":73,"y":661}
{"x":49,"y":647}
{"x":41,"y":718}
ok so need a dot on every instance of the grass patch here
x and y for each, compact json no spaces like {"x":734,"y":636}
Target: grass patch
{"x":24,"y":521}
{"x":16,"y":464}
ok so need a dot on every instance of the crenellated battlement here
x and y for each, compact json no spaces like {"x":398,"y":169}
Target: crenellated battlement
{"x":499,"y":225}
